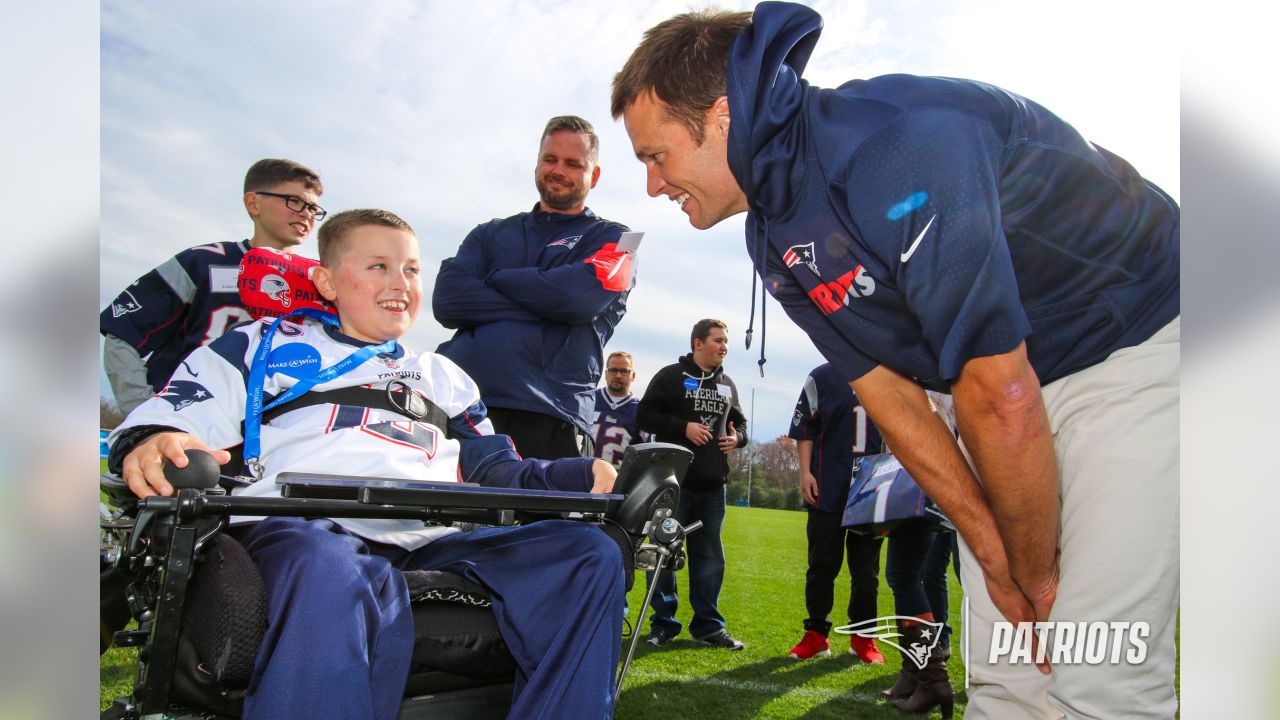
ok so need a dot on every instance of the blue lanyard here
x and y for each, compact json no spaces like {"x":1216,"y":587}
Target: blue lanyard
{"x":253,"y":408}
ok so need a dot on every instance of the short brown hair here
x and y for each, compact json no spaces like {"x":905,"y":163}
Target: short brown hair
{"x":268,"y":173}
{"x":702,"y":330}
{"x":573,"y":123}
{"x":622,"y":354}
{"x":332,"y":235}
{"x":684,"y":62}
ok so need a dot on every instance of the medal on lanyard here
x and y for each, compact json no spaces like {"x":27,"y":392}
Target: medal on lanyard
{"x":253,"y":408}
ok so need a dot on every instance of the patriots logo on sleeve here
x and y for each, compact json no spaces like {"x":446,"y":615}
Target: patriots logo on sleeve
{"x":124,"y":304}
{"x":181,"y":393}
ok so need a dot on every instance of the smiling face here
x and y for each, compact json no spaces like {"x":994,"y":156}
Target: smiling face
{"x":274,"y":224}
{"x":565,"y":172}
{"x":375,"y":281}
{"x":696,"y":177}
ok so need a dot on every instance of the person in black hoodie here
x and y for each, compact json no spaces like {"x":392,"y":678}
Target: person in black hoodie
{"x":695,"y":404}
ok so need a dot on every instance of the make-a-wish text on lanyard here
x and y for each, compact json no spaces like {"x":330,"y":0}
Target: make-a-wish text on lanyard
{"x":253,"y":409}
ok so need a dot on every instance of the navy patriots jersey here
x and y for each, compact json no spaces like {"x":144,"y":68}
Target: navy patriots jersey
{"x":829,"y":414}
{"x":614,"y":425}
{"x":186,"y":302}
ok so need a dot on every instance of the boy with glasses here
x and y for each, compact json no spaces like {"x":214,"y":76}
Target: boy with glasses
{"x":192,"y":298}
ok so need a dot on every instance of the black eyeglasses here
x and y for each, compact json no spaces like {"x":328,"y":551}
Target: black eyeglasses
{"x":297,"y":204}
{"x":618,"y":371}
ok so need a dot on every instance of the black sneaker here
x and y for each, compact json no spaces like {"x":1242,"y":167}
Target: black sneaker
{"x":721,"y":639}
{"x":659,"y":636}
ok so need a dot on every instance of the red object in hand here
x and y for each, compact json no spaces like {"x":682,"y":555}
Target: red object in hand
{"x":273,"y":283}
{"x":613,"y":267}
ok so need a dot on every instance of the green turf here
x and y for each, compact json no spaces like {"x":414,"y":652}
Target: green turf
{"x":763,"y":601}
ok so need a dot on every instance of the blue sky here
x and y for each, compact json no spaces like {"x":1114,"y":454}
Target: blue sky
{"x":433,"y":110}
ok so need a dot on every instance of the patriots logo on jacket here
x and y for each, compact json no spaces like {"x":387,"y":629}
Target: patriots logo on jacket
{"x":568,"y":242}
{"x":181,"y":393}
{"x":885,"y":629}
{"x":126,"y":303}
{"x":801,"y":254}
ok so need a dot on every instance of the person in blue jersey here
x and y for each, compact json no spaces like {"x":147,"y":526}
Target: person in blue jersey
{"x":948,"y":234}
{"x":830,"y":428}
{"x":340,"y":636}
{"x":694,"y":403}
{"x":534,"y":299}
{"x":614,"y":422}
{"x":192,"y":298}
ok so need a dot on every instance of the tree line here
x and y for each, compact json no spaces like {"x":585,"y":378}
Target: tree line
{"x":770,"y":471}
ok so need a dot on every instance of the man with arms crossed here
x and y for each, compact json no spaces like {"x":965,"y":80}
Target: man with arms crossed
{"x":534,"y":299}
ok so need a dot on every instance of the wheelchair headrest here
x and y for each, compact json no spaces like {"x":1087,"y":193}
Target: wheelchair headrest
{"x":201,"y":471}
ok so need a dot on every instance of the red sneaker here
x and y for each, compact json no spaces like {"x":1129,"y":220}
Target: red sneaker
{"x":865,"y":649}
{"x":813,"y":644}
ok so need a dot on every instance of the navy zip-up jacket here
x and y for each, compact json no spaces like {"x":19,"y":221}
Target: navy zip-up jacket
{"x":532,"y":318}
{"x":920,"y":222}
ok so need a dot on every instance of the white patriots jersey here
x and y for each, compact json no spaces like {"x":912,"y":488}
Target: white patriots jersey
{"x":206,"y":397}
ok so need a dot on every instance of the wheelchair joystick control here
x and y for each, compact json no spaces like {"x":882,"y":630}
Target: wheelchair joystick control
{"x":200,"y":473}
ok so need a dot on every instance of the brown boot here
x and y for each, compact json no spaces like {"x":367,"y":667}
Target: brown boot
{"x":933,"y":687}
{"x":906,"y":682}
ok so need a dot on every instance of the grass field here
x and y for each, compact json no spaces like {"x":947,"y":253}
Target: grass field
{"x":763,"y":601}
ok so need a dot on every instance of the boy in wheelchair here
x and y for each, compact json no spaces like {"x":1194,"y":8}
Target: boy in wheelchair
{"x":339,"y":632}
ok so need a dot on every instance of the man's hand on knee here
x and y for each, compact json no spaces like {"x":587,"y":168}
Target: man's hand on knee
{"x":143,"y":467}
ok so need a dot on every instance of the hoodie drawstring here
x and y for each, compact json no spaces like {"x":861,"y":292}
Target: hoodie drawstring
{"x":761,"y":243}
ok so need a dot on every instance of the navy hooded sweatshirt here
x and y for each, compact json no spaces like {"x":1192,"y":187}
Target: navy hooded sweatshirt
{"x":920,"y":222}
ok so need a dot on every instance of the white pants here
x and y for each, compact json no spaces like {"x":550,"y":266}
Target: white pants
{"x":1115,"y":433}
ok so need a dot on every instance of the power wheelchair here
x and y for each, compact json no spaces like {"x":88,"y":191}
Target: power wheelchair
{"x":199,"y":602}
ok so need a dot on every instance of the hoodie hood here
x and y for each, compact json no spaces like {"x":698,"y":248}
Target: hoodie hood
{"x":692,"y":369}
{"x":763,"y":142}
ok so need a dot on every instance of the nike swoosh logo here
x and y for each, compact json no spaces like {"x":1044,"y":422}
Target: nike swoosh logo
{"x":912,"y":250}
